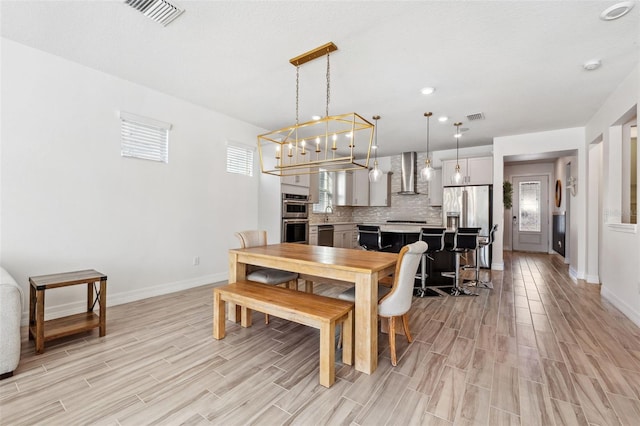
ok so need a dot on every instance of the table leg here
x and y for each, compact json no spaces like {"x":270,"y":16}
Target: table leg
{"x":103,"y":307}
{"x":237,"y":271}
{"x":39,"y":321}
{"x":366,"y":312}
{"x":32,"y":310}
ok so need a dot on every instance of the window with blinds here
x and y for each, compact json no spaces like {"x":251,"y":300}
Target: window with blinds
{"x":239,"y":160}
{"x":144,"y":138}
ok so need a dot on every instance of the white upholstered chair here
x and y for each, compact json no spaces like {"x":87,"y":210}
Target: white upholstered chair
{"x":262,"y":275}
{"x":396,"y":301}
{"x":11,"y":298}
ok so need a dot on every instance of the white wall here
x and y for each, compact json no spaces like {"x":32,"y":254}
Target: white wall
{"x":620,"y":243}
{"x":543,"y":142}
{"x":70,"y":201}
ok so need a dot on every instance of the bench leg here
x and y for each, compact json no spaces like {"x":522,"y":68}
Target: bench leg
{"x":327,"y":354}
{"x":347,"y":339}
{"x":218,"y":315}
{"x":308,"y":286}
{"x":293,"y":284}
{"x":245,"y":317}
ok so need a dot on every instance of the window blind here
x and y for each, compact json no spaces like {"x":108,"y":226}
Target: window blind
{"x":144,"y":138}
{"x":239,"y":160}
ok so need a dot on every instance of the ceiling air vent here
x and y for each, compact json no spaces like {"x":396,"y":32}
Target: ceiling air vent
{"x":159,"y":10}
{"x":476,"y":116}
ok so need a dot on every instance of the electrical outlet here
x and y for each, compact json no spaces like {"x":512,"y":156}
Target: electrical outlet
{"x":196,"y":261}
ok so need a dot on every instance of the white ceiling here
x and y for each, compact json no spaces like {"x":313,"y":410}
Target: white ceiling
{"x":518,"y":62}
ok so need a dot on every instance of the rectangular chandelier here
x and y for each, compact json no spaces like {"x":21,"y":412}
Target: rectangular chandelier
{"x":328,"y":143}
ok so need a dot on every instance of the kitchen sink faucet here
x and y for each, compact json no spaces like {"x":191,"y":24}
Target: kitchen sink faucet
{"x":326,"y":213}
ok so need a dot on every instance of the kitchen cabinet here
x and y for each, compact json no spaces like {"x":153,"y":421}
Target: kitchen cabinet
{"x":360,"y":187}
{"x":380,"y":192}
{"x":313,"y":235}
{"x":296,"y":180}
{"x":343,"y":190}
{"x":351,"y":188}
{"x":435,"y":188}
{"x":343,"y":235}
{"x":314,"y":188}
{"x":475,"y":171}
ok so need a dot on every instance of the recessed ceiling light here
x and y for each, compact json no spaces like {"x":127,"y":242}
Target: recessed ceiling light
{"x":315,"y":117}
{"x":616,"y":11}
{"x":427,"y":90}
{"x":443,"y":119}
{"x":592,"y":65}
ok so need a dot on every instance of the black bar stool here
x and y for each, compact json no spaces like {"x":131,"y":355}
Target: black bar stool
{"x":434,"y":237}
{"x":485,"y":242}
{"x":465,"y":241}
{"x":370,"y":238}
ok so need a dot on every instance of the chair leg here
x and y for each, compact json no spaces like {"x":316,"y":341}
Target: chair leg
{"x":392,"y":340}
{"x":266,"y":319}
{"x":405,"y":324}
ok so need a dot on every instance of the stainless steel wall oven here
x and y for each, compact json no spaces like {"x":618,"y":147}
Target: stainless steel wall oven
{"x":295,"y":218}
{"x":295,"y":206}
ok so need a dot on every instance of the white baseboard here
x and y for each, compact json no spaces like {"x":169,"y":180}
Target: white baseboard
{"x":593,"y":279}
{"x":114,"y":299}
{"x":575,"y":274}
{"x":621,"y":305}
{"x":497,"y":266}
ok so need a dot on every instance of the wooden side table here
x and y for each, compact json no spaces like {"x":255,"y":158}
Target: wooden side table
{"x":42,"y":330}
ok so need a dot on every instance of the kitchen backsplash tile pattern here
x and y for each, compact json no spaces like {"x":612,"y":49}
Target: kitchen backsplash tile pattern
{"x":403,"y":207}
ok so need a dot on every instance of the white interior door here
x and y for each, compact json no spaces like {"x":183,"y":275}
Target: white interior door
{"x":531,"y":213}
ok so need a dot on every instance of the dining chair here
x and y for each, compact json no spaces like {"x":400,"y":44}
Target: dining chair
{"x":271,"y":276}
{"x":370,"y":238}
{"x":395,"y":302}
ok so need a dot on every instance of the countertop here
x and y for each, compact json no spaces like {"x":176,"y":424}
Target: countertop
{"x":387,"y":227}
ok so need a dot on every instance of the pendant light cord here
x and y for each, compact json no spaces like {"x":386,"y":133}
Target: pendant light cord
{"x":297,"y":90}
{"x":328,"y":85}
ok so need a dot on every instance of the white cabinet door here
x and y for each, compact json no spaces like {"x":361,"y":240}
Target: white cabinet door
{"x":343,"y":194}
{"x":314,"y":188}
{"x":343,"y":236}
{"x":449,"y":170}
{"x":474,"y":171}
{"x":297,"y":180}
{"x":480,"y":171}
{"x":435,"y":188}
{"x":313,"y":235}
{"x":360,"y":188}
{"x":380,"y":192}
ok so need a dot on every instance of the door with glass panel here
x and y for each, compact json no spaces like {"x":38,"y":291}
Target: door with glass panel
{"x":531,"y":213}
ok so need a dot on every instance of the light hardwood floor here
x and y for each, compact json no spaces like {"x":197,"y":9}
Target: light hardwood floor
{"x":537,"y":349}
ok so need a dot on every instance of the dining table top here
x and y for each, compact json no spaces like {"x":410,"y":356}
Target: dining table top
{"x":354,"y":260}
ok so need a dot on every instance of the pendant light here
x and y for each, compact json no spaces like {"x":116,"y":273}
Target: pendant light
{"x":375,"y":174}
{"x":427,"y":171}
{"x":457,"y":176}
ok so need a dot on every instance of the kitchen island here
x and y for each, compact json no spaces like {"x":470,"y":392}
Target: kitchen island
{"x":402,"y":233}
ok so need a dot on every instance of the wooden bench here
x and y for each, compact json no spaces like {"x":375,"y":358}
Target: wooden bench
{"x":308,"y":309}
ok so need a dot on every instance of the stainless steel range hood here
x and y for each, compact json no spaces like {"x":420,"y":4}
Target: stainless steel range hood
{"x":408,"y":173}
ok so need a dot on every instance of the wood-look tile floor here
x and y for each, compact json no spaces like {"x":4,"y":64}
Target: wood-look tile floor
{"x":537,"y":349}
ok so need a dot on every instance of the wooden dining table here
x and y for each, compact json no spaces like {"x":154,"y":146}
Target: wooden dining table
{"x":363,"y":268}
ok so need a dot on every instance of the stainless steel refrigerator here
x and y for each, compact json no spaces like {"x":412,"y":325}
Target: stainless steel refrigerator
{"x":472,"y":205}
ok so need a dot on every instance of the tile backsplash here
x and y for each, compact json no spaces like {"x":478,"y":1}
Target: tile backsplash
{"x":403,"y":207}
